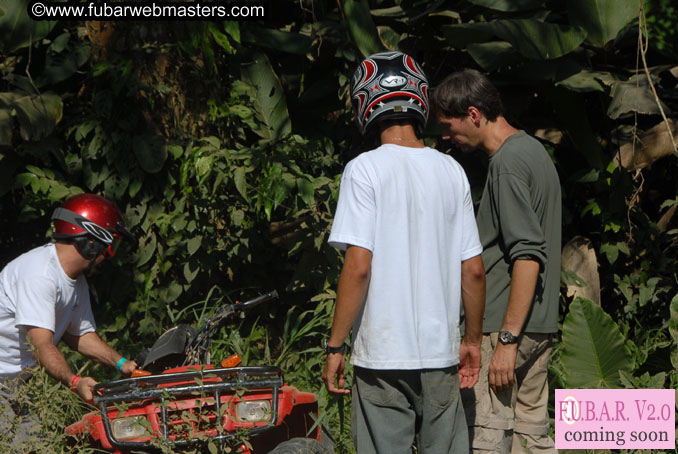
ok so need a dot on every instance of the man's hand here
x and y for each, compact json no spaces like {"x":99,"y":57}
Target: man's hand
{"x":85,"y":389}
{"x":334,"y":370}
{"x":128,"y":367}
{"x":502,"y":367}
{"x":469,"y":364}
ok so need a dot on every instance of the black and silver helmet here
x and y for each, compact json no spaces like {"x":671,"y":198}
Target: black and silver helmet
{"x":389,"y":86}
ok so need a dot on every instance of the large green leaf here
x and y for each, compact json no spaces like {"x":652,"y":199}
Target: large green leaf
{"x":593,"y":351}
{"x":389,"y":37}
{"x":493,"y":55}
{"x":585,"y":81}
{"x":17,"y":29}
{"x":461,"y":35}
{"x":63,"y":60}
{"x":602,"y":19}
{"x":539,"y":40}
{"x":278,"y":40}
{"x":362,"y":28}
{"x":633,"y":95}
{"x":269,"y":98}
{"x":38,"y":114}
{"x":508,"y":5}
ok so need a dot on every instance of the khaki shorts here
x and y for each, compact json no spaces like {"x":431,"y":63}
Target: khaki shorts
{"x":494,"y":419}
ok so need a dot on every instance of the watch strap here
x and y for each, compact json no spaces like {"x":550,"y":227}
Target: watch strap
{"x":329,"y":349}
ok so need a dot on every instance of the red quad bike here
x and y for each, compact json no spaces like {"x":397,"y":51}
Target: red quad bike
{"x":181,"y":401}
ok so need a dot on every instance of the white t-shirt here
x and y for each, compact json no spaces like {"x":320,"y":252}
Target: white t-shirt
{"x":35,"y":291}
{"x":412,"y":208}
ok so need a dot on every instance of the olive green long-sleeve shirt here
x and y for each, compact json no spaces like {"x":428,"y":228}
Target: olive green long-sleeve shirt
{"x":520,"y":217}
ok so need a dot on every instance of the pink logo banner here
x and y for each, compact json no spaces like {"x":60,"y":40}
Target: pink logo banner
{"x":615,"y":419}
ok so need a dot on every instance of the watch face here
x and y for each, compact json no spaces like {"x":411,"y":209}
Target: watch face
{"x":505,"y":337}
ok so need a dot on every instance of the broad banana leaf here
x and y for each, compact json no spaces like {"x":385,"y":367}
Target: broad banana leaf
{"x":494,"y":54}
{"x":17,"y":29}
{"x":633,"y":95}
{"x":284,"y":41}
{"x":461,"y":35}
{"x":269,"y":98}
{"x":37,"y":115}
{"x":585,"y":81}
{"x":602,"y":19}
{"x":593,"y":351}
{"x":539,"y":40}
{"x":509,"y":5}
{"x":361,"y":26}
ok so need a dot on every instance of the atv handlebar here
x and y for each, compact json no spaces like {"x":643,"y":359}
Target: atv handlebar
{"x":233,"y":309}
{"x":270,"y":296}
{"x":197,"y":350}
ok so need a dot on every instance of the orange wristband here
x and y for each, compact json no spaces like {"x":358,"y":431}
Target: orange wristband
{"x":74,"y":381}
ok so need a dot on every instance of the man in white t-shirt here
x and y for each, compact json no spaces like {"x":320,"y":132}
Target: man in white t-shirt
{"x":405,"y":218}
{"x":44,"y":296}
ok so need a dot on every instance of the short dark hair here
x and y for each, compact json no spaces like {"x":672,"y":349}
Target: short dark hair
{"x":463,"y":89}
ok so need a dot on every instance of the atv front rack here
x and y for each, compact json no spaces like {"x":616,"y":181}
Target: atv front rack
{"x":162,"y":392}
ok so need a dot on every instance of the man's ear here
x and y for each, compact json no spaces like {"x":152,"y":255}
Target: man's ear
{"x":475,"y":115}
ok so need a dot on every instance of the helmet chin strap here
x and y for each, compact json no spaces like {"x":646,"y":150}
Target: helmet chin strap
{"x":89,"y":268}
{"x":89,"y":249}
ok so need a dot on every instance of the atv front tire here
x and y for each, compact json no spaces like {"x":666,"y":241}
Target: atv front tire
{"x":301,"y":446}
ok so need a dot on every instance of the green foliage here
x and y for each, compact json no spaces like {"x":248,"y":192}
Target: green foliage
{"x":37,"y":115}
{"x":361,"y":26}
{"x":268,"y":97}
{"x":509,"y":5}
{"x":539,"y":40}
{"x":602,"y":19}
{"x":593,"y":351}
{"x":45,"y":408}
{"x":661,"y":20}
{"x":17,"y":30}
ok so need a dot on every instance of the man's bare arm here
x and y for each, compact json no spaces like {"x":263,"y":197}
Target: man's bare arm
{"x":93,"y":347}
{"x":473,"y":298}
{"x":48,"y":356}
{"x":351,"y":291}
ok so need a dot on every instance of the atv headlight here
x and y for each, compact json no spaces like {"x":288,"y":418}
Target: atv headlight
{"x":253,"y":411}
{"x":129,"y":428}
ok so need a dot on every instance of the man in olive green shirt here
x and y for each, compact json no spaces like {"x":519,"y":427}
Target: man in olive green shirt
{"x":519,"y":223}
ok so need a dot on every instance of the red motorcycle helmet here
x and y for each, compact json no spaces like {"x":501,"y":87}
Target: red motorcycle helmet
{"x":93,"y":223}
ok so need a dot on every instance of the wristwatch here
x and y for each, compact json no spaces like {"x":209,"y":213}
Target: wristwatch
{"x":341,"y":349}
{"x":507,"y":337}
